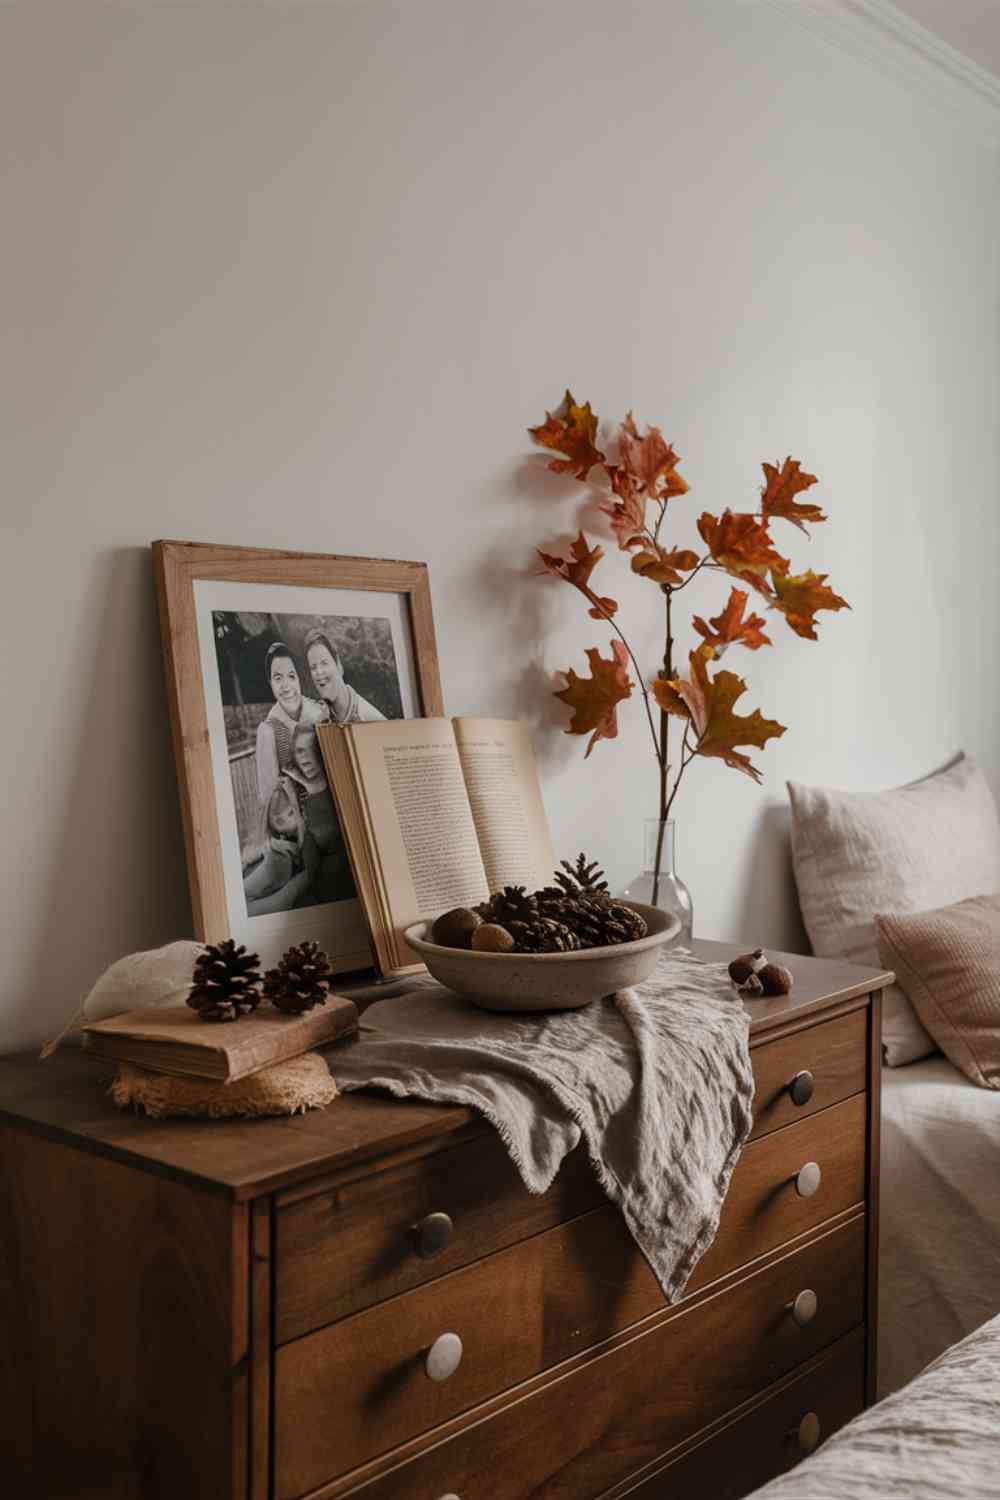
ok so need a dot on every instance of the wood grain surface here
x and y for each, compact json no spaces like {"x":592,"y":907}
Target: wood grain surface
{"x":368,"y":1224}
{"x":612,"y":1412}
{"x":763,"y":1442}
{"x":125,"y":1332}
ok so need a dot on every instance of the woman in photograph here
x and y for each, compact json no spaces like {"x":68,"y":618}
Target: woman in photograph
{"x":284,"y":877}
{"x":344,"y":703}
{"x":332,"y":880}
{"x":274,"y":734}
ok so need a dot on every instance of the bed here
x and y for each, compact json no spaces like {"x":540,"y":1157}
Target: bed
{"x":938,"y":1439}
{"x":939,"y":1262}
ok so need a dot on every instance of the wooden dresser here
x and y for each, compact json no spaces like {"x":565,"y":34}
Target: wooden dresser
{"x":365,"y":1301}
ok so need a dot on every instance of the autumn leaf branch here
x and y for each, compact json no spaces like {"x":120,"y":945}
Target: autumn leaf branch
{"x":737,"y":543}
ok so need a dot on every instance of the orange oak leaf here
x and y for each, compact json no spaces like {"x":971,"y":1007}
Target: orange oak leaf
{"x":708,"y":704}
{"x":742,"y":545}
{"x":594,"y":699}
{"x":733,"y":625}
{"x":778,"y":495}
{"x":571,"y":430}
{"x":628,"y":510}
{"x":799,"y":596}
{"x":576,"y":569}
{"x":650,"y":461}
{"x":661,"y":566}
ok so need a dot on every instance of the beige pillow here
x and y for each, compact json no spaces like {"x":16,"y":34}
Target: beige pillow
{"x":912,"y":849}
{"x":948,"y":962}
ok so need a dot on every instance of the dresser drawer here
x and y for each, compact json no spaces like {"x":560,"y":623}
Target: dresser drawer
{"x":575,"y":1435}
{"x":834,"y":1052}
{"x":763,"y":1210}
{"x":368,"y":1239}
{"x":772,"y":1438}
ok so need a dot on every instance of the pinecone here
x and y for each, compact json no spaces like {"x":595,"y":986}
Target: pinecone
{"x":226,"y":982}
{"x":583,"y":878}
{"x":543,"y":935}
{"x":301,"y":979}
{"x":512,"y":904}
{"x":597,"y":921}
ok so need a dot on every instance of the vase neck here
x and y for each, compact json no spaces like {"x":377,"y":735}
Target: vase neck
{"x":653,"y":830}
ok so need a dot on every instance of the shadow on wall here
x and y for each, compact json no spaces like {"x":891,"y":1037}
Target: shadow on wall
{"x":115,"y":878}
{"x":768,"y":904}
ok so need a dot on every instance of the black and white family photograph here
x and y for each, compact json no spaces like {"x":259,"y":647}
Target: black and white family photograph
{"x":280,"y":675}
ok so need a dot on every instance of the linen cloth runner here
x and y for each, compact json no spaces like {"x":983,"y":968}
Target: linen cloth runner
{"x":656,"y":1080}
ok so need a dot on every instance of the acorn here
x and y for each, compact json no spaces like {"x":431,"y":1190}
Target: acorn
{"x":776,"y":979}
{"x":490,"y":937}
{"x":454,"y":929}
{"x":745,"y":971}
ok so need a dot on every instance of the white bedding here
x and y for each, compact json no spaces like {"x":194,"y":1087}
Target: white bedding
{"x":937,"y":1440}
{"x":939,"y":1261}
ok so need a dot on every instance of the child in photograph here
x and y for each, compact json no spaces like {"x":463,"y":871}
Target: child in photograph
{"x":333,"y":880}
{"x":274,"y":734}
{"x":344,"y":703}
{"x":284,"y":877}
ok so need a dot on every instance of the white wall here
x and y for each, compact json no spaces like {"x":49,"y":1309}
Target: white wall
{"x":300,"y":275}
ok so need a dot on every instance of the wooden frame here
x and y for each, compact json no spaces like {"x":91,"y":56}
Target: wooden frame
{"x":179,"y":568}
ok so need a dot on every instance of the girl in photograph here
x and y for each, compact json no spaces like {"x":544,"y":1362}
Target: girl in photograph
{"x":284,"y":877}
{"x":274,"y":735}
{"x":343,"y":702}
{"x":333,"y":880}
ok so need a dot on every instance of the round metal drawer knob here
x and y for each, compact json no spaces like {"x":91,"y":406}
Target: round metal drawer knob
{"x":801,"y":1087}
{"x":808,"y":1180}
{"x":809,"y":1432}
{"x":444,"y":1356}
{"x":804,"y":1308}
{"x":432,"y":1235}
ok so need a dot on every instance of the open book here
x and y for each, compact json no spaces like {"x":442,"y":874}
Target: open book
{"x":436,"y":813}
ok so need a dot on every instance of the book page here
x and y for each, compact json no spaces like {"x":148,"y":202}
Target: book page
{"x":502,"y":780}
{"x":419,"y":823}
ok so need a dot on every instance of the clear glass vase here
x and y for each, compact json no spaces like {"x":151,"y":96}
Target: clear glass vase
{"x":667,"y":890}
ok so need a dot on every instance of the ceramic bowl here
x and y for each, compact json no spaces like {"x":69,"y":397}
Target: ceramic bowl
{"x":546,"y":981}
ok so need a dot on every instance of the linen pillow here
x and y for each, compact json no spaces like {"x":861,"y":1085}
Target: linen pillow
{"x":912,"y":849}
{"x":948,"y":962}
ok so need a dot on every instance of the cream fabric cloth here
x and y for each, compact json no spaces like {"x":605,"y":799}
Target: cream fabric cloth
{"x":910,"y":849}
{"x":937,"y":1439}
{"x":656,"y":1080}
{"x":939,"y":1216}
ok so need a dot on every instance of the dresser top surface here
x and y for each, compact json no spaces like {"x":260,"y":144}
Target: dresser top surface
{"x":66,"y":1098}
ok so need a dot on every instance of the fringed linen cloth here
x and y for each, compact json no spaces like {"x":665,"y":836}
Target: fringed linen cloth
{"x":656,"y":1080}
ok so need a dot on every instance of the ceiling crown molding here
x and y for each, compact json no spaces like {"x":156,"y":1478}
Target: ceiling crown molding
{"x":881,"y":34}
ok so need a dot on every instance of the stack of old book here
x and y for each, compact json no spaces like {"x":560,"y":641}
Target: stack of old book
{"x":173,"y":1039}
{"x":172,"y":1062}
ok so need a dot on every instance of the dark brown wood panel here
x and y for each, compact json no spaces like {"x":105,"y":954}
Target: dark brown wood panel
{"x":582,"y":1432}
{"x":763,"y":1443}
{"x":368,"y":1225}
{"x":835,"y":1052}
{"x":124,"y":1302}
